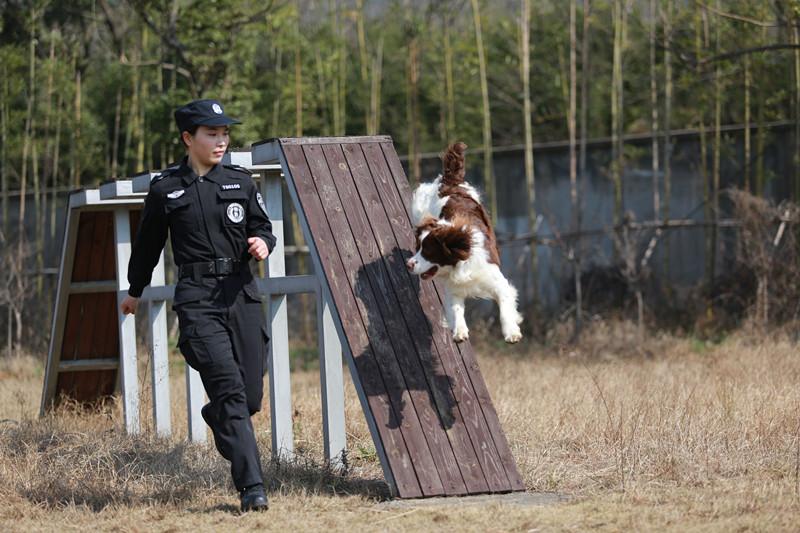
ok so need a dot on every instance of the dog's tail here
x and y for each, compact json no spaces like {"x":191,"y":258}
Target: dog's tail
{"x":453,"y":164}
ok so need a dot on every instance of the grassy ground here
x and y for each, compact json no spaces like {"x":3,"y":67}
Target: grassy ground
{"x":673,"y":434}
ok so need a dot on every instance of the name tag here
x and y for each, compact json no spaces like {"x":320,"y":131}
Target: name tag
{"x":175,"y":194}
{"x":228,"y":186}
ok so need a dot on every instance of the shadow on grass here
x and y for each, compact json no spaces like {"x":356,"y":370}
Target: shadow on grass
{"x":305,"y":475}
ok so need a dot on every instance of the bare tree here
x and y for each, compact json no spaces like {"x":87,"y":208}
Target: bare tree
{"x":768,"y":246}
{"x":15,"y":286}
{"x":629,"y":239}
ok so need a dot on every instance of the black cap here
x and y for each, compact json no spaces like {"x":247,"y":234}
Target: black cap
{"x":202,"y":113}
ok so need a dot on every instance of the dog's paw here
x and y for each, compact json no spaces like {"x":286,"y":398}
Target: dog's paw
{"x":513,"y":335}
{"x":460,"y":334}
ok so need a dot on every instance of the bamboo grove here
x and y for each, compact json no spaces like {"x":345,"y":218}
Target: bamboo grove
{"x":87,"y":87}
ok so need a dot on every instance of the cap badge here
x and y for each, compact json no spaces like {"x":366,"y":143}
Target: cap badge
{"x":235,"y":212}
{"x":216,"y":108}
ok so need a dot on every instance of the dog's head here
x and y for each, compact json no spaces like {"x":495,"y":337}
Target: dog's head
{"x":440,"y":245}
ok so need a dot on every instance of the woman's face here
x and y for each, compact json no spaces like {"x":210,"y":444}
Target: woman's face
{"x":208,"y":144}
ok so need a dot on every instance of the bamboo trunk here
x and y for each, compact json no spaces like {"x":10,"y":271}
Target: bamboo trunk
{"x":115,"y":136}
{"x":699,"y":43}
{"x":27,"y":147}
{"x":298,"y":76}
{"x":488,"y":173}
{"x":585,"y":73}
{"x":747,"y":142}
{"x":573,"y":162}
{"x":27,"y":141}
{"x":616,"y":110}
{"x":77,"y":145}
{"x":333,"y":63}
{"x":363,"y":60}
{"x":717,"y":149}
{"x":322,"y":86}
{"x":4,"y":153}
{"x":56,"y":163}
{"x":449,"y":84}
{"x":796,"y":159}
{"x":140,"y":116}
{"x":654,"y":112}
{"x":412,"y":103}
{"x":276,"y":104}
{"x":667,"y":129}
{"x":375,"y":90}
{"x":530,"y":176}
{"x":342,"y":80}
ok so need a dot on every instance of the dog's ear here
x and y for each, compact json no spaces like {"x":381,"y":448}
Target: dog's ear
{"x":456,"y":241}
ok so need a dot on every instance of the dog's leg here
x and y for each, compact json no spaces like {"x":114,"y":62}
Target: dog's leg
{"x":460,"y":330}
{"x":510,"y":318}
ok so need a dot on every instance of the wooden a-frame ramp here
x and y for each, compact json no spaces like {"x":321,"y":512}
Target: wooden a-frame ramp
{"x":425,"y":400}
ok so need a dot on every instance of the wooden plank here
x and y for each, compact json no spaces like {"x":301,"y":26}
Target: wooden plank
{"x":80,"y":270}
{"x":390,"y":437}
{"x":280,"y":387}
{"x":412,"y":351}
{"x":72,"y":322}
{"x":100,"y":309}
{"x":450,"y":393}
{"x":465,"y":349}
{"x":387,"y":335}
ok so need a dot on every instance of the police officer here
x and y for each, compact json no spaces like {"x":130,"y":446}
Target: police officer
{"x":218,"y":221}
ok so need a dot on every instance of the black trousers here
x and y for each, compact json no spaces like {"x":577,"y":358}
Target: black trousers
{"x":223,"y":336}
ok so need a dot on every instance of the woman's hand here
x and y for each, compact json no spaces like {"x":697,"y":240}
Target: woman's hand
{"x":258,"y":248}
{"x":128,"y":305}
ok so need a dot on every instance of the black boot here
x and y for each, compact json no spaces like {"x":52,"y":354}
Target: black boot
{"x":254,"y":499}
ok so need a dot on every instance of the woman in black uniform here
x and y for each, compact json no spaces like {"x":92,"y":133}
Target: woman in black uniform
{"x":217,"y":221}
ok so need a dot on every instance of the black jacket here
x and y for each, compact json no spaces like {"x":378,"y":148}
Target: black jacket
{"x":208,"y":217}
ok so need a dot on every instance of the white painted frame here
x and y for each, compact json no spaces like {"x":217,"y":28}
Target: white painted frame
{"x":120,"y":196}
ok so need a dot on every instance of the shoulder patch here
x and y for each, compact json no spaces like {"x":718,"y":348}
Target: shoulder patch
{"x":239,"y":168}
{"x":164,"y":173}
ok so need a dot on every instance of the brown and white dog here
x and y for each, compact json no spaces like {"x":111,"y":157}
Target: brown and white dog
{"x":455,"y":240}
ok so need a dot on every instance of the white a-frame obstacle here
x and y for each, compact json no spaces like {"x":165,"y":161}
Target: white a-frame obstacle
{"x":92,"y":355}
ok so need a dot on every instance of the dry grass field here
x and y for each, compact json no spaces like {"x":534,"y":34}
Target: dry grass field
{"x":672,"y":435}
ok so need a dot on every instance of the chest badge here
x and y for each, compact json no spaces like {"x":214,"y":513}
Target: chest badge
{"x":175,"y":194}
{"x":235,"y":212}
{"x":229,"y":186}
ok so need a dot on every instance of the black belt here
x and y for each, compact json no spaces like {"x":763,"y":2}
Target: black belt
{"x":221,"y":266}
